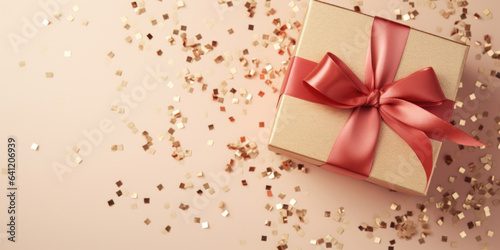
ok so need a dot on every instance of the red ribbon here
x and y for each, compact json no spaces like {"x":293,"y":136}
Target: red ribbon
{"x":414,"y":107}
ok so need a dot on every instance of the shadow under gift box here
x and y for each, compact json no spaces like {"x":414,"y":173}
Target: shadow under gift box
{"x":307,"y":131}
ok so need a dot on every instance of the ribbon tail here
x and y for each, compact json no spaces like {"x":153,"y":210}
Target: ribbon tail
{"x":416,"y":139}
{"x":444,"y":112}
{"x":354,"y":148}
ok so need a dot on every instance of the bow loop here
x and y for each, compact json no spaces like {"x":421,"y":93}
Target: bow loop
{"x":421,"y":88}
{"x":333,"y":79}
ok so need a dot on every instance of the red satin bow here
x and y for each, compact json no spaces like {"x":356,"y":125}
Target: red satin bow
{"x":409,"y":106}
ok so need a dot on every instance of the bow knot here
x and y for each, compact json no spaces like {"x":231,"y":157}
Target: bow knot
{"x":373,"y":99}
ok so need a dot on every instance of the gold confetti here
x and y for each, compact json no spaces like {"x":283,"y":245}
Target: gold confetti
{"x":487,"y":212}
{"x":180,"y":4}
{"x":244,"y":149}
{"x":151,"y":151}
{"x":487,"y":13}
{"x":440,"y":222}
{"x":395,"y":207}
{"x":463,"y":234}
{"x":490,"y":233}
{"x":78,"y":160}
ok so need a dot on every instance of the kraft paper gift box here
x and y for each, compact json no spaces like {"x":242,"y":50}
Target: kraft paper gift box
{"x":307,"y":131}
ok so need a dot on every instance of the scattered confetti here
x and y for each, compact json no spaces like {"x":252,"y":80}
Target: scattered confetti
{"x":232,"y":103}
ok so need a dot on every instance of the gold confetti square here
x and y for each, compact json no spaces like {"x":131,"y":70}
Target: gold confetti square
{"x":395,"y":207}
{"x":78,"y":160}
{"x":463,"y":234}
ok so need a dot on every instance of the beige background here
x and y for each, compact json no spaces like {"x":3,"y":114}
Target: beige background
{"x":55,"y":112}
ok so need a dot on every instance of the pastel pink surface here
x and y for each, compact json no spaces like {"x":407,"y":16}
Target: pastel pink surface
{"x":73,"y":108}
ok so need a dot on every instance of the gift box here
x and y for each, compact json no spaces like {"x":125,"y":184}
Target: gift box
{"x":308,"y":122}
